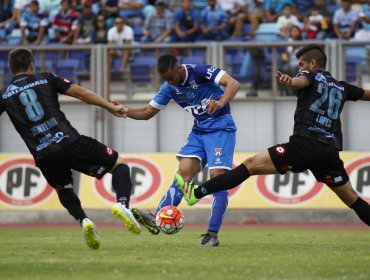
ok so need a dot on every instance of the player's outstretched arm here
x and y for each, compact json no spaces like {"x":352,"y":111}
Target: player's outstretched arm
{"x":366,"y":95}
{"x":294,"y":82}
{"x":144,"y":113}
{"x":91,"y":97}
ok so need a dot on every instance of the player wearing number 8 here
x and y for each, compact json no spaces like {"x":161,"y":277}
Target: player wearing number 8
{"x":316,"y":139}
{"x":31,"y":102}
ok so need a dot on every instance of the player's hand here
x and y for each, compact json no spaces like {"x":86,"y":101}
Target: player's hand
{"x":283,"y":79}
{"x":119,"y":110}
{"x":215,"y":105}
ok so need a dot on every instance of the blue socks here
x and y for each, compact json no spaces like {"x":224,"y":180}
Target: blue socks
{"x":172,"y":197}
{"x":219,"y":206}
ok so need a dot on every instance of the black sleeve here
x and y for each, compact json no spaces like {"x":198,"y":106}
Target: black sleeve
{"x":353,"y":93}
{"x":2,"y":109}
{"x":310,"y":76}
{"x":60,"y":84}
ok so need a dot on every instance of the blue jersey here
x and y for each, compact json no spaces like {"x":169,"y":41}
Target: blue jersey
{"x":200,"y":86}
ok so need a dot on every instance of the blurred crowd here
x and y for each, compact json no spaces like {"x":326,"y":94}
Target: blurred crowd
{"x":161,"y":21}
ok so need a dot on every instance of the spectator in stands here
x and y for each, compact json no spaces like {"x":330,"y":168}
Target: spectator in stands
{"x":199,"y":5}
{"x":131,"y":11}
{"x":326,"y":25}
{"x":174,"y":5}
{"x":100,"y":32}
{"x":345,"y":21}
{"x":213,"y":22}
{"x":50,"y":7}
{"x":233,"y":9}
{"x":65,"y":23}
{"x":85,"y":25}
{"x":364,"y":31}
{"x":273,"y":8}
{"x":6,"y":10}
{"x":186,"y":23}
{"x":302,"y":8}
{"x":286,"y":20}
{"x":315,"y":23}
{"x":120,"y":34}
{"x":35,"y":23}
{"x":19,"y":7}
{"x":110,"y":10}
{"x":289,"y":58}
{"x":158,"y":26}
{"x":253,"y":14}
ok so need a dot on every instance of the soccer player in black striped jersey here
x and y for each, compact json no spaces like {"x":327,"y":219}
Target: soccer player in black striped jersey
{"x":316,"y":139}
{"x":31,"y":102}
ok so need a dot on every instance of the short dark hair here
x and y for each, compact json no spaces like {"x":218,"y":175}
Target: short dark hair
{"x":19,"y":60}
{"x":166,"y":62}
{"x":313,"y":51}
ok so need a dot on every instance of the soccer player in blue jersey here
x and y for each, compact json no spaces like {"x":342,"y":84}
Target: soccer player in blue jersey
{"x":197,"y":89}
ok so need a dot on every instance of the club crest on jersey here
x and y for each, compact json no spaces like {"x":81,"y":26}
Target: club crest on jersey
{"x":218,"y":152}
{"x":108,"y":151}
{"x":193,"y":84}
{"x":65,"y":80}
{"x":280,"y":150}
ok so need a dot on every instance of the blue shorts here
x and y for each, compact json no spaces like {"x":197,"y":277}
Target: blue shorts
{"x":215,"y":149}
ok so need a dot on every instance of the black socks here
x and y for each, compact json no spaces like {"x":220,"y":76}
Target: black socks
{"x":72,"y":203}
{"x":225,"y":181}
{"x":121,"y":182}
{"x":362,"y":209}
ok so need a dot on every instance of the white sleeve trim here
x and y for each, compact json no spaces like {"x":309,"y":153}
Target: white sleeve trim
{"x":219,"y":76}
{"x":156,"y":105}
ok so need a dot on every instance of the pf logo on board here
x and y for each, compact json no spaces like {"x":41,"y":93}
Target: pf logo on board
{"x":22,"y":183}
{"x":145,"y":177}
{"x":289,"y":189}
{"x":359,"y":174}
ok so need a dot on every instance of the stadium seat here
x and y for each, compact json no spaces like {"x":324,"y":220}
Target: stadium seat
{"x":141,"y":69}
{"x":193,"y":59}
{"x":82,"y":56}
{"x":352,"y":64}
{"x":48,"y":65}
{"x":138,"y":33}
{"x":67,"y":68}
{"x":268,"y":32}
{"x":15,"y":37}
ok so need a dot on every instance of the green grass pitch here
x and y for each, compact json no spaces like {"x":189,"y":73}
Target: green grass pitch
{"x":244,"y":253}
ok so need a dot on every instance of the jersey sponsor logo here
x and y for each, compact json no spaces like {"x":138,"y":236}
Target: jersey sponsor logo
{"x":202,"y":177}
{"x":146,"y":180}
{"x":290,"y":189}
{"x":359,"y":174}
{"x":16,"y":90}
{"x":109,"y":151}
{"x":22,"y":183}
{"x":49,"y":139}
{"x":280,"y":150}
{"x":65,"y":80}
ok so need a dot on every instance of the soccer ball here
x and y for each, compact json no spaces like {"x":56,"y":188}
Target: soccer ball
{"x":170,"y":219}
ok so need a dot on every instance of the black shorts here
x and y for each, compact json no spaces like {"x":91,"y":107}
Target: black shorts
{"x":85,"y":155}
{"x":302,"y":153}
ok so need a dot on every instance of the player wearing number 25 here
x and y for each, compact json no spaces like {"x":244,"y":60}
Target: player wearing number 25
{"x":316,"y":139}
